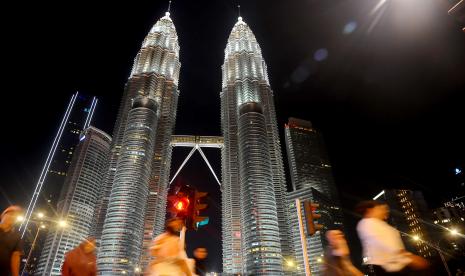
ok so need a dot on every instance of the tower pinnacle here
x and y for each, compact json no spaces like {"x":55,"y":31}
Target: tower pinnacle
{"x":239,"y":10}
{"x":167,"y":14}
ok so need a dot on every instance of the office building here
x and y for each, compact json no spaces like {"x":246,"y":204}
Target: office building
{"x":77,"y":201}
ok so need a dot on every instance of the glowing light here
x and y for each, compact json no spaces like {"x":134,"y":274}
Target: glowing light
{"x":40,"y":215}
{"x":458,"y":171}
{"x":182,"y":204}
{"x":378,"y":195}
{"x":137,"y":269}
{"x":320,"y":54}
{"x":349,"y":27}
{"x":290,"y":263}
{"x":416,"y":238}
{"x":62,"y":223}
{"x":20,"y":219}
{"x":319,"y":260}
{"x":43,"y":226}
{"x":454,"y":232}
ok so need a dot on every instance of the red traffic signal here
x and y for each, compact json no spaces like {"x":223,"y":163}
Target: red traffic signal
{"x":182,"y":204}
{"x":312,"y":217}
{"x":178,"y":205}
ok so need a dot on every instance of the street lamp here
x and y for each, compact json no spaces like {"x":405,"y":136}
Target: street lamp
{"x":39,"y":227}
{"x":290,"y":263}
{"x":454,"y":232}
{"x":62,"y":223}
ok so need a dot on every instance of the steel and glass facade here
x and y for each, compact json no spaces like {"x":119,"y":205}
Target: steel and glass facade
{"x":77,"y":200}
{"x":122,"y":234}
{"x":245,"y":80}
{"x":331,"y":218}
{"x":155,"y":75}
{"x":312,"y":179}
{"x":260,"y":230}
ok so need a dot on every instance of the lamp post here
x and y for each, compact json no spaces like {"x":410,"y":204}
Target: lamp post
{"x":32,"y":247}
{"x":443,"y":259}
{"x":436,"y":246}
{"x":40,"y":226}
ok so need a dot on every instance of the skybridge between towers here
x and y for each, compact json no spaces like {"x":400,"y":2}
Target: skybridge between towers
{"x":197,"y":143}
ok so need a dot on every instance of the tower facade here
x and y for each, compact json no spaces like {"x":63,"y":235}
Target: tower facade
{"x":141,"y":142}
{"x":77,"y":200}
{"x":76,"y":119}
{"x":312,"y":179}
{"x":246,"y":98}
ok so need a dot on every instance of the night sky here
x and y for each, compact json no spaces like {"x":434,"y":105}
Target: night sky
{"x":385,"y":86}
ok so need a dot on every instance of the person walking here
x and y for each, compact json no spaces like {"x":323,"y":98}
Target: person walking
{"x":200,"y":256}
{"x":382,"y":245}
{"x":81,"y":261}
{"x":337,"y":256}
{"x":170,"y":258}
{"x":11,"y":246}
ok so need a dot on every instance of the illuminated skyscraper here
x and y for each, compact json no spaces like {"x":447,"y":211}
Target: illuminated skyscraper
{"x":311,"y":180}
{"x":77,"y":117}
{"x":77,"y":200}
{"x":139,"y":163}
{"x":253,"y":210}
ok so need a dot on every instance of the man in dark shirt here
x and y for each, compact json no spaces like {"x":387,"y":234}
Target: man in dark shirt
{"x":10,"y":242}
{"x":200,"y":256}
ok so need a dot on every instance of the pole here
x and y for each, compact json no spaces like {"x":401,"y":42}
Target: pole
{"x":303,"y":238}
{"x":30,"y":250}
{"x":443,"y":259}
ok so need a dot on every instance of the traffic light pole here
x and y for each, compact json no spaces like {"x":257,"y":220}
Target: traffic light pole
{"x":303,"y":238}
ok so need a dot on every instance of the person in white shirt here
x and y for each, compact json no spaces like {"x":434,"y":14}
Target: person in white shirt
{"x":382,"y":245}
{"x":170,"y":257}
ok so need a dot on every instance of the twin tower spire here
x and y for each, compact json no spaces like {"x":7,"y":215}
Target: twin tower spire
{"x":132,"y":205}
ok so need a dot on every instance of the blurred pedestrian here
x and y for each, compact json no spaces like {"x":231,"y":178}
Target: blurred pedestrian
{"x":81,"y":261}
{"x":337,"y":256}
{"x":382,"y":245}
{"x":170,"y":257}
{"x":11,"y":247}
{"x":200,"y":256}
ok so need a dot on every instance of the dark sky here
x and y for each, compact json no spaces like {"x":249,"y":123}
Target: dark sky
{"x":388,"y":97}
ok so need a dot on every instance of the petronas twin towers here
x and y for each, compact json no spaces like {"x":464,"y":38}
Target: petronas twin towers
{"x":132,"y":206}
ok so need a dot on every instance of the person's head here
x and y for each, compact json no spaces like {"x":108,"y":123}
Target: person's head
{"x":88,"y":245}
{"x":10,"y":216}
{"x":200,"y":253}
{"x":334,"y":237}
{"x":373,"y":209}
{"x":174,"y":225}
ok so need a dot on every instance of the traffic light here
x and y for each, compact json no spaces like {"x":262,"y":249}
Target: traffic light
{"x":312,"y":217}
{"x":178,"y":205}
{"x":182,"y":204}
{"x":198,"y":205}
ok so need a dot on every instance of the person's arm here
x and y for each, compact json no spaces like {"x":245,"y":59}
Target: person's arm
{"x":15,"y":260}
{"x":349,"y":267}
{"x":184,"y":267}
